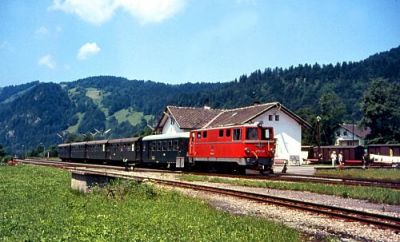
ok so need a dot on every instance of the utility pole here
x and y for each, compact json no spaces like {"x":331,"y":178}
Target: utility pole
{"x":319,"y":136}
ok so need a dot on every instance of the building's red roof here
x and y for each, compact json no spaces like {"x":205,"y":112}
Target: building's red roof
{"x":192,"y":118}
{"x":239,"y":115}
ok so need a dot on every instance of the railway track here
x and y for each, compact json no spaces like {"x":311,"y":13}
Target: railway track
{"x":280,"y":177}
{"x":382,"y":221}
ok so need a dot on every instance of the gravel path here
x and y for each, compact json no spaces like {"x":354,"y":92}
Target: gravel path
{"x":313,"y":225}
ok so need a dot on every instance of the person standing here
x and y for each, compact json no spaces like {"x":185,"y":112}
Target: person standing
{"x":340,"y":158}
{"x":333,"y":158}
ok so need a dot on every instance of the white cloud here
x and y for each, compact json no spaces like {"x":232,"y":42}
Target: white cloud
{"x":41,"y":32}
{"x":87,"y":50}
{"x":47,"y":61}
{"x":100,"y":11}
{"x":152,"y":11}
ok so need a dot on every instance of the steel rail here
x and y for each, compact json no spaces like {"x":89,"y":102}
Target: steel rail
{"x":334,"y":180}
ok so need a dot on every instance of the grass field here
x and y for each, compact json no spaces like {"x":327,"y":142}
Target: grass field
{"x":376,"y":174}
{"x":373,"y":194}
{"x":37,"y":204}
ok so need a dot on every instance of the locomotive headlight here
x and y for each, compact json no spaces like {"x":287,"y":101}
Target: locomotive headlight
{"x":247,"y":150}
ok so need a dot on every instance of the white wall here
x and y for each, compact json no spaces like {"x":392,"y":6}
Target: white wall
{"x":171,"y":128}
{"x":287,"y":132}
{"x":348,"y":136}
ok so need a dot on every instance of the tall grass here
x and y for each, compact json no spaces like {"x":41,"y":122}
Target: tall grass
{"x":36,"y":203}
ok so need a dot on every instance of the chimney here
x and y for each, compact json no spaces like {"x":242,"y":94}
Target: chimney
{"x":206,"y":107}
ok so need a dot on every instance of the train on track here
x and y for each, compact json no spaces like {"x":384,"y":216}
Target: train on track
{"x":240,"y":147}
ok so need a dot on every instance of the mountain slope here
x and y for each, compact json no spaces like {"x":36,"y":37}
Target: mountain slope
{"x":35,"y":112}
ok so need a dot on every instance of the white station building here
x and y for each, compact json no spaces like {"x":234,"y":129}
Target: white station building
{"x":287,"y":125}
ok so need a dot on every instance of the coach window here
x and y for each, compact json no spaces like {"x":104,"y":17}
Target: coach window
{"x":204,"y":134}
{"x":104,"y":147}
{"x":251,"y":133}
{"x":221,"y":133}
{"x":228,"y":133}
{"x":170,"y":147}
{"x":176,"y":145}
{"x":133,"y":147}
{"x":237,"y":134}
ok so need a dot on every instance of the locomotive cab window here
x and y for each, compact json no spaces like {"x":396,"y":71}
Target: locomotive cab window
{"x":267,"y":134}
{"x":198,"y":135}
{"x":237,"y":134}
{"x":204,"y":134}
{"x":251,"y":133}
{"x":228,"y":133}
{"x":221,"y":133}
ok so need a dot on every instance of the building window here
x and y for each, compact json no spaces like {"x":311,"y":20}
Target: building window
{"x":345,"y":133}
{"x":276,"y":117}
{"x":270,"y":117}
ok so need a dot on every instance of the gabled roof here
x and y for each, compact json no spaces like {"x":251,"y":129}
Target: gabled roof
{"x":239,"y":115}
{"x":196,"y":118}
{"x":360,"y":132}
{"x":188,"y":117}
{"x":247,"y":114}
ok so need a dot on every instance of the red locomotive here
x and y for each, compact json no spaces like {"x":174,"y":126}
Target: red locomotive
{"x":244,"y":146}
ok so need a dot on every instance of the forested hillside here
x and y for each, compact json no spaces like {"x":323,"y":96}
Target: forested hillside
{"x":38,"y":113}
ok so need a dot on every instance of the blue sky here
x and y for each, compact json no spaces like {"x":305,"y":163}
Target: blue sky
{"x":176,"y":41}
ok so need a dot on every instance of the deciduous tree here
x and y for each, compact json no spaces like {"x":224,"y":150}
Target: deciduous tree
{"x":381,"y":108}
